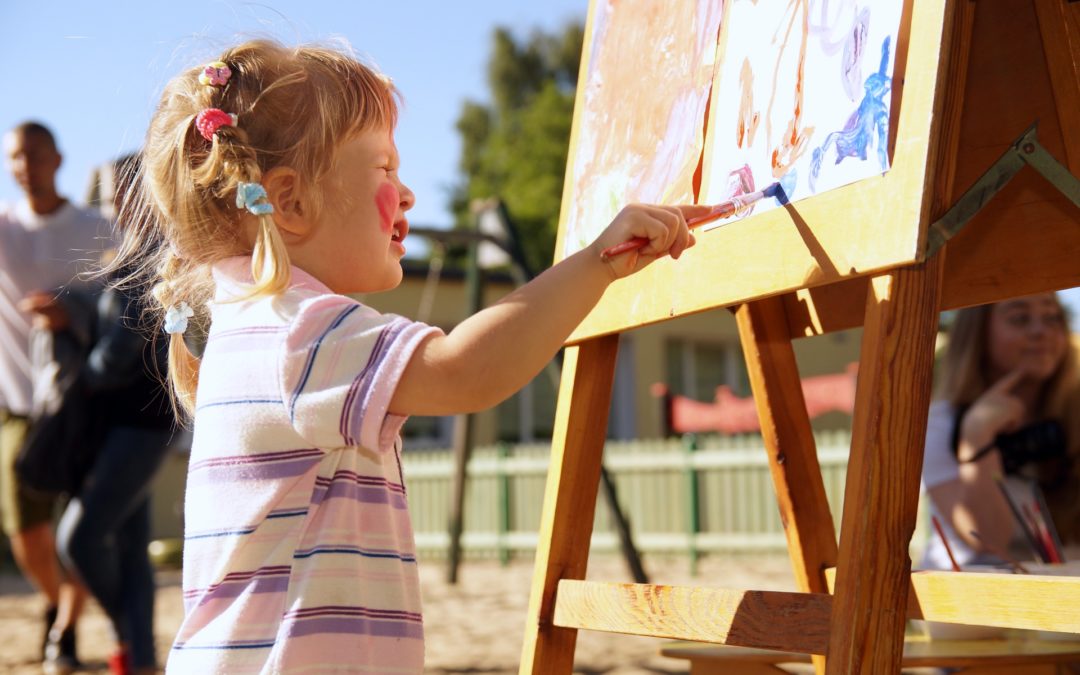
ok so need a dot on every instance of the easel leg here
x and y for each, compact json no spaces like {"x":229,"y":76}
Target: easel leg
{"x":882,"y":492}
{"x":569,"y":499}
{"x":789,"y":442}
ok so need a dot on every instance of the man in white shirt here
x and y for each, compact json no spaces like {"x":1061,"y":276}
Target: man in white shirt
{"x":45,"y":242}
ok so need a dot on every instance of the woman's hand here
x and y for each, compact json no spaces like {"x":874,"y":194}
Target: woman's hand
{"x":48,"y":312}
{"x":993,"y":413}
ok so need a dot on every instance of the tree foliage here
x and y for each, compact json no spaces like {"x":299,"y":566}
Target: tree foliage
{"x":515,"y":147}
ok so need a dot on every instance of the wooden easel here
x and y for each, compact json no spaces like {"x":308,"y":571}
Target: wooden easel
{"x":1002,"y":66}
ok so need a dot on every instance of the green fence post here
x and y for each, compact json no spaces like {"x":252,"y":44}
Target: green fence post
{"x":692,"y":507}
{"x":503,"y":479}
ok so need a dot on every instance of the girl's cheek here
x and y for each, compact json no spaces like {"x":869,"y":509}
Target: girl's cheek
{"x":387,"y":200}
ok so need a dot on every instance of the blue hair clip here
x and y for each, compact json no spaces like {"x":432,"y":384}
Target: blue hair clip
{"x":176,"y":318}
{"x":252,"y":196}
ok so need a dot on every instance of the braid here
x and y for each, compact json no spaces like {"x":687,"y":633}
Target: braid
{"x":169,"y":291}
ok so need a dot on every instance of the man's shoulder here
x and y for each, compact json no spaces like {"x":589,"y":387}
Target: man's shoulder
{"x":83,"y":215}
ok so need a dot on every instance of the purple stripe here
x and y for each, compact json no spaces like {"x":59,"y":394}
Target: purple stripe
{"x":268,"y":571}
{"x":250,"y":330}
{"x":234,"y":589}
{"x":344,"y":549}
{"x":230,"y":472}
{"x":362,"y":494}
{"x":364,"y":383}
{"x":353,"y":610}
{"x":359,"y":479}
{"x":353,"y":626}
{"x":312,"y":354}
{"x":254,"y":459}
{"x":344,"y":422}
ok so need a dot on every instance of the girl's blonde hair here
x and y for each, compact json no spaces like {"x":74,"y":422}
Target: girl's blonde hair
{"x":294,"y":108}
{"x":966,"y":373}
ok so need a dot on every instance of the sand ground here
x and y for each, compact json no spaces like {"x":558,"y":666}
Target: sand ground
{"x":475,"y":626}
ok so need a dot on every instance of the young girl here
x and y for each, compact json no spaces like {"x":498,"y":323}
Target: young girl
{"x":1009,"y":371}
{"x":274,"y":181}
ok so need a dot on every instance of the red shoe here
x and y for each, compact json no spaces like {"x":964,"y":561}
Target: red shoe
{"x":120,"y":663}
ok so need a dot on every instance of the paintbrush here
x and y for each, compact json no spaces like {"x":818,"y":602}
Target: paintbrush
{"x":737,"y":205}
{"x":945,"y":542}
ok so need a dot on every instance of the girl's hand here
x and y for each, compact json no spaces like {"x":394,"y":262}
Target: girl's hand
{"x":995,"y":412}
{"x":664,"y":227}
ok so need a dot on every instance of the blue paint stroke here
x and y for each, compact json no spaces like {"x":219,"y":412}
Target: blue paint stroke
{"x":786,"y":187}
{"x":869,"y":119}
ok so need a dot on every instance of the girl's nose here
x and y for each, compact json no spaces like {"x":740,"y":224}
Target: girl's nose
{"x":408,"y":199}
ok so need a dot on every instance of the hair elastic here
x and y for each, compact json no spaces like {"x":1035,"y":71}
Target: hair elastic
{"x":215,"y":74}
{"x":252,"y":196}
{"x":176,"y":318}
{"x":212,"y":119}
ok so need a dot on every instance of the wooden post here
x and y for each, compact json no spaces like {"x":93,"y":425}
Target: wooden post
{"x":789,"y":442}
{"x":882,"y":492}
{"x":463,"y":427}
{"x":569,"y":499}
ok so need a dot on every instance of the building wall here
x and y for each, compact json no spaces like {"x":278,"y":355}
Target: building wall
{"x":648,"y":348}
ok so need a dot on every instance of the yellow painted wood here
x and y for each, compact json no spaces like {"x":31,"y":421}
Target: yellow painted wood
{"x":1009,"y":600}
{"x":767,"y":619}
{"x":858,"y":229}
{"x":1014,"y":655}
{"x":1025,"y":601}
{"x":569,"y":499}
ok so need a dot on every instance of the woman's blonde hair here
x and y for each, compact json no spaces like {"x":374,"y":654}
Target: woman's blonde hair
{"x":294,"y":108}
{"x":966,"y":373}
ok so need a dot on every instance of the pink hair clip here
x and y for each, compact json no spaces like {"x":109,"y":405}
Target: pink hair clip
{"x":215,"y":74}
{"x":212,"y":119}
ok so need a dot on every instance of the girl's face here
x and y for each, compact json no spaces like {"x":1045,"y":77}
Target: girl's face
{"x":359,"y":235}
{"x":1027,"y":333}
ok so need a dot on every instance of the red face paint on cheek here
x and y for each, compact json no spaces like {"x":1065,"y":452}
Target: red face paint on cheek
{"x":387,"y":200}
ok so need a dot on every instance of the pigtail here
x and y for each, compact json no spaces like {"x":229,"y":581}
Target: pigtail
{"x":183,"y":365}
{"x":269,"y":260}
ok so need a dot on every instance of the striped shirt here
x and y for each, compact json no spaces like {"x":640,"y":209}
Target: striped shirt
{"x":298,"y":551}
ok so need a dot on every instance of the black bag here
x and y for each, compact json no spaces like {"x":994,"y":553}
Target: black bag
{"x":62,"y":444}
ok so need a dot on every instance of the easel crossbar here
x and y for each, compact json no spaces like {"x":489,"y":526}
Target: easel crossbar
{"x":797,"y":622}
{"x":1025,"y":601}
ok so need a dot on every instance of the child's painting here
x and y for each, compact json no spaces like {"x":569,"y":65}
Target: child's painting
{"x":641,"y":113}
{"x":801,"y":97}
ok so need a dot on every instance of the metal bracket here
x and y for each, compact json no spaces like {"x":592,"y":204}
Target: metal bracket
{"x":1025,"y":150}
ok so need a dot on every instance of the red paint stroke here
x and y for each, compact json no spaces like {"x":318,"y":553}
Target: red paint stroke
{"x":387,"y":200}
{"x":795,"y":136}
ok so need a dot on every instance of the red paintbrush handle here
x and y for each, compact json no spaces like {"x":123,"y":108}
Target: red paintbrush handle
{"x":619,"y":249}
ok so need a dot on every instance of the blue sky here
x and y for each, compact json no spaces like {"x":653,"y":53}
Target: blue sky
{"x":93,"y":70}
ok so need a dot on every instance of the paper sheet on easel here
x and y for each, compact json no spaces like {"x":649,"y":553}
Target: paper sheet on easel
{"x":649,"y":73}
{"x":802,"y":97}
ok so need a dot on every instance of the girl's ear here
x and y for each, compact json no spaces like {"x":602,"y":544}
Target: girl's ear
{"x":285,"y":191}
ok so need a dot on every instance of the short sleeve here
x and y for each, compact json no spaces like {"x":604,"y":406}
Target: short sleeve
{"x":939,"y":460}
{"x":341,"y":362}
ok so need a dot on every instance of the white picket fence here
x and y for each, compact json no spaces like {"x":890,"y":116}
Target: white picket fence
{"x":714,"y":495}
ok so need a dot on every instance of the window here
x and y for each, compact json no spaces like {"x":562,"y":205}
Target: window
{"x":695,"y":368}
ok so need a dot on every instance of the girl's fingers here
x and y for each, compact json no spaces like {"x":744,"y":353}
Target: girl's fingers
{"x":665,"y":229}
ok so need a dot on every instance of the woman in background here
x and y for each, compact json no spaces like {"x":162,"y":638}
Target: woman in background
{"x":1008,"y":414}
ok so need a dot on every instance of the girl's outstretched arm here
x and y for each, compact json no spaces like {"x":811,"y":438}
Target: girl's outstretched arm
{"x":498,"y":350}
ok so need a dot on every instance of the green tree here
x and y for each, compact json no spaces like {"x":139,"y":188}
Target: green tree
{"x":515,"y":148}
